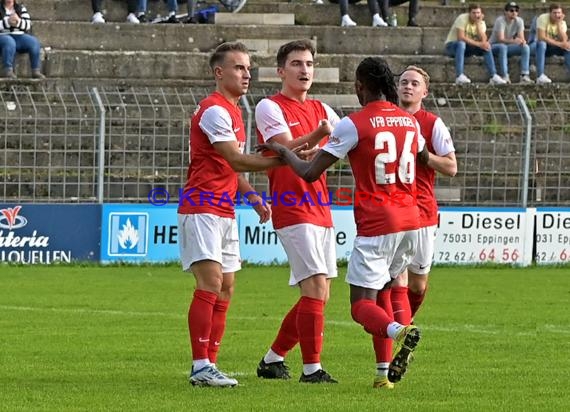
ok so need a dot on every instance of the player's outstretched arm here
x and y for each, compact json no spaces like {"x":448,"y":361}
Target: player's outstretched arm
{"x":308,"y":171}
{"x":244,"y":162}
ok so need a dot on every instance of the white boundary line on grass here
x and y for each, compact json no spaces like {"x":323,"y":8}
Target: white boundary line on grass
{"x":477,"y":329}
{"x":92,"y":311}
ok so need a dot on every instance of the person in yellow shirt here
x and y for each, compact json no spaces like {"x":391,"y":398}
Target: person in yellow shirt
{"x":467,"y":37}
{"x":551,"y":39}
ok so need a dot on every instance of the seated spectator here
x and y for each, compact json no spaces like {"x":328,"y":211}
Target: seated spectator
{"x":373,"y":6}
{"x":98,"y":17}
{"x":413,"y":9}
{"x":15,"y":24}
{"x":172,"y":8}
{"x":233,"y":6}
{"x":551,"y":39}
{"x":379,"y":10}
{"x":508,"y":40}
{"x":467,"y":37}
{"x":345,"y":20}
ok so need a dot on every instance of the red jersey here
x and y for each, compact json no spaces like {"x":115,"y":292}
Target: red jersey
{"x":438,"y":141}
{"x":294,"y":200}
{"x":381,"y":141}
{"x":212,"y":183}
{"x":425,"y":175}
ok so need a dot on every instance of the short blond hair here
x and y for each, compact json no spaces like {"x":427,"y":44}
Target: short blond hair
{"x":422,"y":73}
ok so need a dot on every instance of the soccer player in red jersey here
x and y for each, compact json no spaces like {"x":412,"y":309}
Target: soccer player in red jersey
{"x":209,"y":245}
{"x":408,"y":289}
{"x":300,"y":212}
{"x":381,"y":141}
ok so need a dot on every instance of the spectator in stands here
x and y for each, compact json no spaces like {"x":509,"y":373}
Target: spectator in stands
{"x":379,"y":10}
{"x":345,"y":20}
{"x":551,"y":39}
{"x":233,"y":6}
{"x":413,"y":9}
{"x":508,"y":40}
{"x":15,"y":24}
{"x":98,"y":17}
{"x":373,"y":6}
{"x":467,"y":37}
{"x":172,"y":8}
{"x":191,"y":16}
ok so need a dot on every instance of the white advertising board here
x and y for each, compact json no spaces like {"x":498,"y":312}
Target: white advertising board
{"x":484,"y":235}
{"x":552,"y":235}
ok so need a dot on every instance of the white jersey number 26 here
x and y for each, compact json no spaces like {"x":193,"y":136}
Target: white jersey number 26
{"x":406,"y":168}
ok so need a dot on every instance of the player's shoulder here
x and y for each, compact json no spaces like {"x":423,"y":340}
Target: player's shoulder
{"x":398,"y":111}
{"x":214,"y":99}
{"x":425,"y":114}
{"x":266,"y":104}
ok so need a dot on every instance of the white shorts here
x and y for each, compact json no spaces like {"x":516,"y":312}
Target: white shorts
{"x":421,"y":262}
{"x":208,"y":237}
{"x":310,"y":249}
{"x":377,"y":260}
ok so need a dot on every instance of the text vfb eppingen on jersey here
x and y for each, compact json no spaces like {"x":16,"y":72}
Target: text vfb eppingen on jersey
{"x":342,"y":196}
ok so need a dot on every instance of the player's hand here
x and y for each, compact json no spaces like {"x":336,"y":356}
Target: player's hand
{"x":325,"y":127}
{"x":277,"y":148}
{"x":262,"y":210}
{"x":309,"y":153}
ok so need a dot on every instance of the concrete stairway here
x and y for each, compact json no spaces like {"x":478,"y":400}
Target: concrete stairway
{"x":126,"y":52}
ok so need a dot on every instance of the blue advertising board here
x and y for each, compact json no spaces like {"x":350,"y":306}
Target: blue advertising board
{"x":139,"y":233}
{"x":146,"y":233}
{"x":47,"y":233}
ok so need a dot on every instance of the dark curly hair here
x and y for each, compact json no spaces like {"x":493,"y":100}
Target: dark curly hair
{"x":376,"y":76}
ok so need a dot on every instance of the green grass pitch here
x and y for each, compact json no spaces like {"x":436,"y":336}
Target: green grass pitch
{"x":89,"y":338}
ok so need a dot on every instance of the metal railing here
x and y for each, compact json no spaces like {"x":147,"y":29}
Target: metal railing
{"x":116,"y":144}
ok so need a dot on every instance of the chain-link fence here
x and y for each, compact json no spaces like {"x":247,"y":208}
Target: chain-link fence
{"x":115,"y":145}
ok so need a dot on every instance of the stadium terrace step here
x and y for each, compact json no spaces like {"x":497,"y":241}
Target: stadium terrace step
{"x":432,"y":13}
{"x":322,"y":75}
{"x":338,"y":100}
{"x":194,"y":65}
{"x":280,"y":19}
{"x":167,"y":37}
{"x":262,"y":39}
{"x":269,"y":45}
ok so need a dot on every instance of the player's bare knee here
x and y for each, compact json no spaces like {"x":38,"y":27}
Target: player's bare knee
{"x":208,"y":276}
{"x":401,"y":280}
{"x":417,"y":283}
{"x":227,"y":292}
{"x":315,"y":287}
